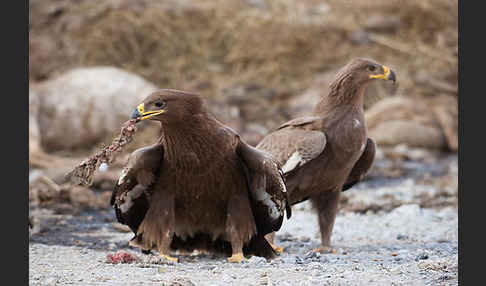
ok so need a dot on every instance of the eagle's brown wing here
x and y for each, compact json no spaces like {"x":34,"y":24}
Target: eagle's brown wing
{"x":300,"y":121}
{"x":267,"y":189}
{"x":294,"y":143}
{"x":130,"y":197}
{"x":362,"y":166}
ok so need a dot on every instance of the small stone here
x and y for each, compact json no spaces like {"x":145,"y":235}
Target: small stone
{"x":313,"y":256}
{"x":422,"y":256}
{"x":286,"y":237}
{"x":159,"y":260}
{"x":305,"y":239}
{"x":402,"y":237}
{"x":257,"y":260}
{"x":299,"y":260}
{"x":62,"y":222}
{"x":180,"y":281}
{"x":79,"y":242}
{"x":50,"y":281}
{"x":207,"y":267}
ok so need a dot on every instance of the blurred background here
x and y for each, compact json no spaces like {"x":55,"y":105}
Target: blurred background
{"x":257,"y":63}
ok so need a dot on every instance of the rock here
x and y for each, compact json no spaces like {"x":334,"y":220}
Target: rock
{"x":257,"y":260}
{"x":84,"y":106}
{"x":42,"y":189}
{"x":417,"y":122}
{"x":299,"y":260}
{"x":103,"y":200}
{"x":314,"y":256}
{"x":398,"y":108}
{"x":406,"y":132}
{"x":422,"y":256}
{"x":50,"y":281}
{"x":152,"y":259}
{"x":408,"y":210}
{"x":82,"y":197}
{"x":402,"y":236}
{"x":180,"y":281}
{"x":447,"y":116}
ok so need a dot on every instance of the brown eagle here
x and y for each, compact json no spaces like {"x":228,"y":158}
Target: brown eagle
{"x":328,"y":151}
{"x":200,"y":186}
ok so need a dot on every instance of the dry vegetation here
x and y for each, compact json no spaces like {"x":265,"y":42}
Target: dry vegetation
{"x":210,"y":45}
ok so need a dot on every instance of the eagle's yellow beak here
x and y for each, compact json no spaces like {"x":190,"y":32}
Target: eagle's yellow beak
{"x":387,"y":74}
{"x":139,"y":112}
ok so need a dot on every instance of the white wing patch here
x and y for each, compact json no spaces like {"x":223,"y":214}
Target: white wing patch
{"x":122,"y":176}
{"x":266,"y":199}
{"x":356,"y":123}
{"x":130,"y":197}
{"x":292,"y":162}
{"x":363,"y":147}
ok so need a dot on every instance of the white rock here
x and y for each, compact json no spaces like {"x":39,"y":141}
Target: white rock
{"x":86,"y":105}
{"x":257,"y":260}
{"x":407,"y":210}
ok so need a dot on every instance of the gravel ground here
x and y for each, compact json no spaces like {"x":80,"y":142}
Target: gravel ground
{"x":390,"y":231}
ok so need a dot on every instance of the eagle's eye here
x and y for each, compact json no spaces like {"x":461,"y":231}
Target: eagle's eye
{"x":159,"y":104}
{"x":371,"y":68}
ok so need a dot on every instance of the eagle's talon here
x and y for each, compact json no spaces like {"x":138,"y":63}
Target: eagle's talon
{"x":278,"y":249}
{"x":325,"y":250}
{"x":237,"y":258}
{"x":168,"y":257}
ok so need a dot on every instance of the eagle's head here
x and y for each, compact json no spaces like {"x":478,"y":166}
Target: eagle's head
{"x":168,"y":105}
{"x":361,"y":71}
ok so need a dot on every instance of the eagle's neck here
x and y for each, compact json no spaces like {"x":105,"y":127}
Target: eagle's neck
{"x":344,"y":91}
{"x":187,"y":145}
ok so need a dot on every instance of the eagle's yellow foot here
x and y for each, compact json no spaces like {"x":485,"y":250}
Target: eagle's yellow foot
{"x":170,"y":258}
{"x":236,"y":258}
{"x":325,"y":249}
{"x":278,"y":249}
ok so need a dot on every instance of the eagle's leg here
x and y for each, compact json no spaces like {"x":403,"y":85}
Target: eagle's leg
{"x":326,"y":204}
{"x":240,"y":226}
{"x":157,"y":227}
{"x":270,"y":238}
{"x":137,"y":242}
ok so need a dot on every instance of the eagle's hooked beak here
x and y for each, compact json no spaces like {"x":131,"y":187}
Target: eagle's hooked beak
{"x":140,"y":112}
{"x":387,"y":74}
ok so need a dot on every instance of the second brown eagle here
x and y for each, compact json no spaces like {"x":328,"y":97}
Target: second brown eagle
{"x":328,"y":151}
